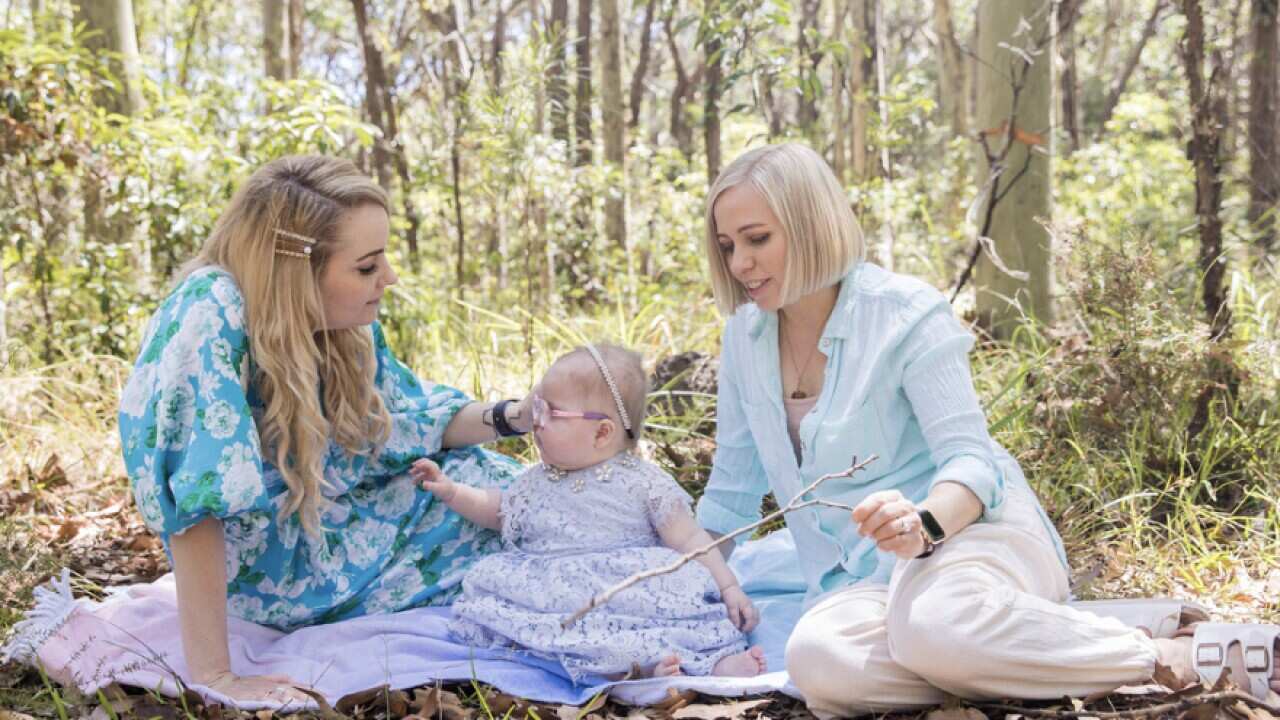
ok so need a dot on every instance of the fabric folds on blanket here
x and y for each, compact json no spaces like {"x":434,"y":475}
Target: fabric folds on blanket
{"x":133,"y":638}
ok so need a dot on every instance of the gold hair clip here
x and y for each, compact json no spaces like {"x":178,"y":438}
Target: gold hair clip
{"x":293,"y":244}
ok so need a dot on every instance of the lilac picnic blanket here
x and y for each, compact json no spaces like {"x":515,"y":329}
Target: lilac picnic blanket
{"x":133,"y":638}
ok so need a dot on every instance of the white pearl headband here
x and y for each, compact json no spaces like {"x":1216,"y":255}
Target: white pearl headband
{"x":613,"y":389}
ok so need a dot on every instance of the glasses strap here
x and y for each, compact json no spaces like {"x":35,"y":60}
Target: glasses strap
{"x":613,"y":389}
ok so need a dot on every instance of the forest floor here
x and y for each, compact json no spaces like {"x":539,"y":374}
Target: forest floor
{"x":65,"y":502}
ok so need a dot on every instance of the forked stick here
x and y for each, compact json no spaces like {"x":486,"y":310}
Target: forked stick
{"x":797,"y":503}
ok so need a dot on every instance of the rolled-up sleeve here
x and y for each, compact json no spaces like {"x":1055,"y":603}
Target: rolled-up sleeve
{"x":939,"y":385}
{"x":738,"y":482}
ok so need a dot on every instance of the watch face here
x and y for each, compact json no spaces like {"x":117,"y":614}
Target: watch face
{"x":931,"y":526}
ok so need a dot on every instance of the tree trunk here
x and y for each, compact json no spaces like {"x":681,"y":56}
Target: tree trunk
{"x":1014,"y":103}
{"x":499,"y":43}
{"x":116,"y":40}
{"x":884,"y":249}
{"x":1208,"y":116}
{"x":712,"y":60}
{"x":373,"y":96}
{"x":808,"y":46}
{"x":1131,"y":64}
{"x":296,"y":16}
{"x":681,"y":130}
{"x":839,"y":75}
{"x":275,"y":38}
{"x":582,"y":100}
{"x":557,"y":86}
{"x":1264,"y":160}
{"x":642,"y":64}
{"x":861,"y":69}
{"x":615,"y":218}
{"x":951,"y":69}
{"x":382,"y":108}
{"x":113,"y":19}
{"x":773,"y":114}
{"x":1068,"y":11}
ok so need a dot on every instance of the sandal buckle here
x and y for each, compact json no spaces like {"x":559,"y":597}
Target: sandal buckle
{"x":1257,"y":658}
{"x":1209,"y":654}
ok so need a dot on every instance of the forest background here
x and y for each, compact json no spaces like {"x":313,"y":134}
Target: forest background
{"x":1093,"y":182}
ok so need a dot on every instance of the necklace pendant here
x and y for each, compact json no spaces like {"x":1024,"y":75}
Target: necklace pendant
{"x":798,"y":394}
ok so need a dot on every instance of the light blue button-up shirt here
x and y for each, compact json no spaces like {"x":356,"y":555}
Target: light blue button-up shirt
{"x":897,"y":385}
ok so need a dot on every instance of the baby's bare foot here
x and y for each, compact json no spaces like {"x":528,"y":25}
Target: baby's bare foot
{"x":747,"y":663}
{"x":668,"y":666}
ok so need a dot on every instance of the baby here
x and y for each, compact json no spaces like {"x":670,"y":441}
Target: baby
{"x":591,"y":514}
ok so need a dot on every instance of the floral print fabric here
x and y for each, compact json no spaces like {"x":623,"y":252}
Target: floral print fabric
{"x":570,"y":536}
{"x":188,"y":426}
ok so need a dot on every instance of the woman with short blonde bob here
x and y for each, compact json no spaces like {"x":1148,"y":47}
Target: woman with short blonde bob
{"x":948,"y":577}
{"x":267,"y":428}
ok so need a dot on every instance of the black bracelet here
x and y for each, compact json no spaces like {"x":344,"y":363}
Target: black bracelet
{"x":500,"y":423}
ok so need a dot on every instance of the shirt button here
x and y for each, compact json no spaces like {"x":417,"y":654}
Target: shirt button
{"x":826,"y":342}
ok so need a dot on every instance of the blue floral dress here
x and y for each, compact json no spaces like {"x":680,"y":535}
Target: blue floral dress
{"x":188,"y":427}
{"x":570,"y":536}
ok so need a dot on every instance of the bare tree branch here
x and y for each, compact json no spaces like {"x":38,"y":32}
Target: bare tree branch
{"x":797,"y":503}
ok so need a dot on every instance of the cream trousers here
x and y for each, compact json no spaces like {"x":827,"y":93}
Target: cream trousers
{"x":981,"y":619}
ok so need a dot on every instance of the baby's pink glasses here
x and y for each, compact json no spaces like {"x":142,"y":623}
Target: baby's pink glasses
{"x":542,"y":412}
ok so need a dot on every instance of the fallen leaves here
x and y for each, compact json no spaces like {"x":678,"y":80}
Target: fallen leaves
{"x":721,"y":711}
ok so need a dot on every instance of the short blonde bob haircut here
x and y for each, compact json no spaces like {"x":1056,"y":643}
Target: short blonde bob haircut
{"x":823,"y":238}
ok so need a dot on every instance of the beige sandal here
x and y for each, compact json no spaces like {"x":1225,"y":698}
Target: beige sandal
{"x":1211,"y":644}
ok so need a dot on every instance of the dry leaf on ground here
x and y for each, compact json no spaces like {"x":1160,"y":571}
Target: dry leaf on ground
{"x":730,"y":710}
{"x":956,"y":713}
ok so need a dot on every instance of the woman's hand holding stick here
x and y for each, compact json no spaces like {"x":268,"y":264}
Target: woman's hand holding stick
{"x":797,"y":503}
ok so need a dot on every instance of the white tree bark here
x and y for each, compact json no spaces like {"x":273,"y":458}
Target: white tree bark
{"x":1020,"y":241}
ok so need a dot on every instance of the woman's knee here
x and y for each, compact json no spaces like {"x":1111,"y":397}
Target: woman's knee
{"x":928,"y":633}
{"x":828,"y":663}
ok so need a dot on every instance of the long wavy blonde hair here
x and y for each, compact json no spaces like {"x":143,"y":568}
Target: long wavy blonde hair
{"x":293,"y":355}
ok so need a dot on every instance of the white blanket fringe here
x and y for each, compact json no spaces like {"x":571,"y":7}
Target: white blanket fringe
{"x":54,"y":604}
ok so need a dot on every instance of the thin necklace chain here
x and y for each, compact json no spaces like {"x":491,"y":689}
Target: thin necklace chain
{"x":797,"y":393}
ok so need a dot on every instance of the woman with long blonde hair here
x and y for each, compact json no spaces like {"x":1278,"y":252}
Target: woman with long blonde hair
{"x":267,"y":428}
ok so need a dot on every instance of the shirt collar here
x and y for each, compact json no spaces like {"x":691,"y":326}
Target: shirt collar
{"x":838,"y":325}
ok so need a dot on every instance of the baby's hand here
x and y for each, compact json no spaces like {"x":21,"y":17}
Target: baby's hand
{"x":430,"y":478}
{"x":742,"y":613}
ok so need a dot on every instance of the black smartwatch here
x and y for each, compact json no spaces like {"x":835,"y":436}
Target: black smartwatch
{"x":932,"y":531}
{"x":500,"y":423}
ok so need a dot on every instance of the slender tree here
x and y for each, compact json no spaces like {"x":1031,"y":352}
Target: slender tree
{"x":686,"y":86}
{"x":1014,"y":101}
{"x":275,"y":38}
{"x":951,"y":74}
{"x":111,"y":34}
{"x":582,"y":100}
{"x":642,"y":64}
{"x":861,"y":71}
{"x":808,"y":47}
{"x":1068,"y":11}
{"x":713,"y":62}
{"x":1208,"y":109}
{"x":839,"y":81}
{"x":296,"y":11}
{"x":615,"y":214}
{"x":1264,"y":156}
{"x":557,"y":86}
{"x":1131,"y":63}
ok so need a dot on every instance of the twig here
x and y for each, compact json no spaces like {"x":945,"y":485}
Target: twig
{"x":1172,"y":708}
{"x":797,"y":503}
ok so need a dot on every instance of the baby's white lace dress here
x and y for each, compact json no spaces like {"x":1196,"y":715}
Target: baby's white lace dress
{"x":569,"y":536}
